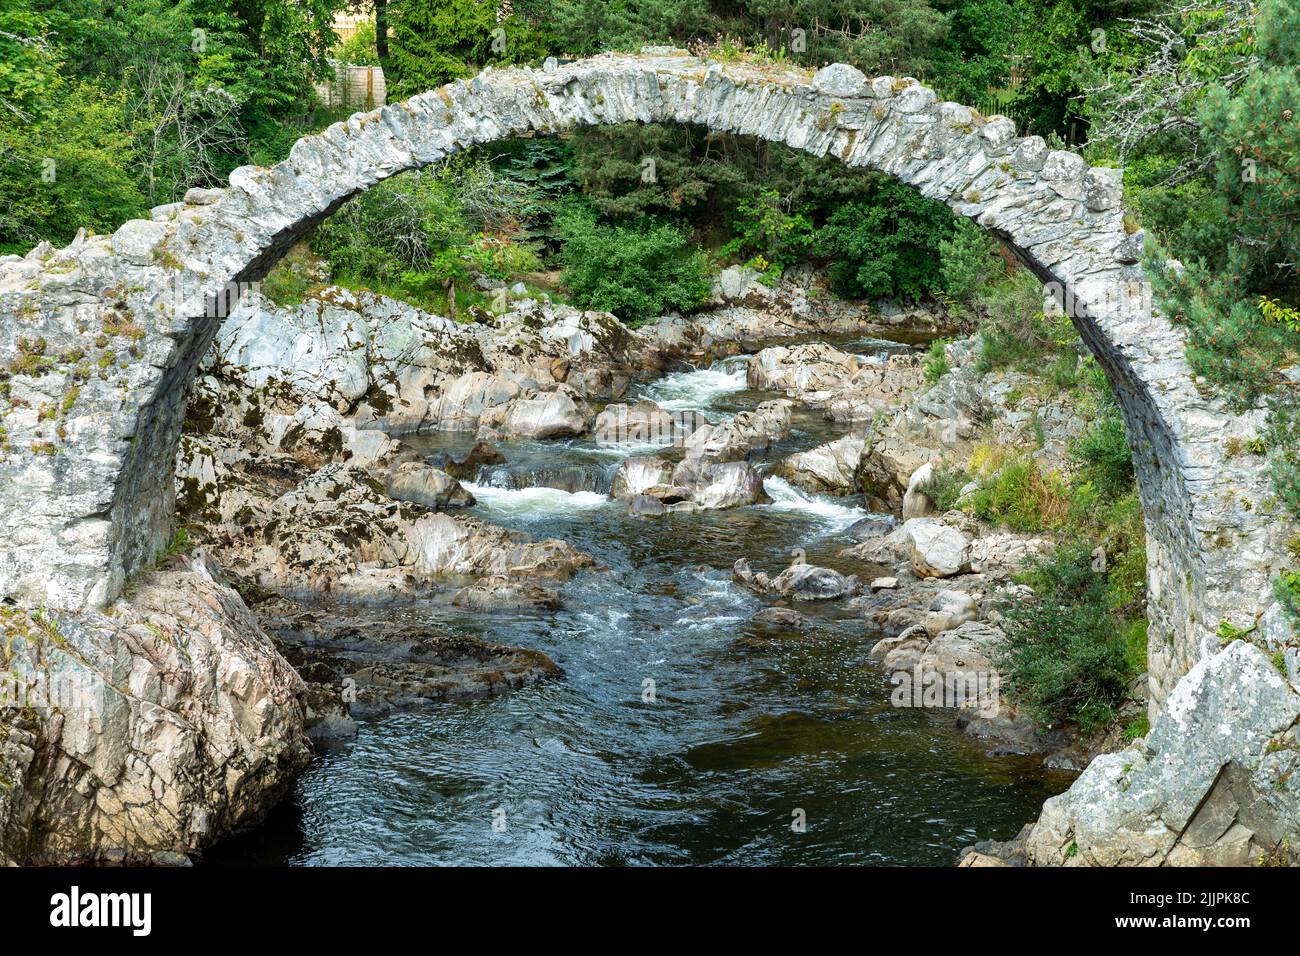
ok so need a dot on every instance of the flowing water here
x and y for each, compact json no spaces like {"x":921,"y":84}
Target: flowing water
{"x":750,"y":729}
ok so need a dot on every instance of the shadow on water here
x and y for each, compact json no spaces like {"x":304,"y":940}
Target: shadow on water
{"x":750,"y":726}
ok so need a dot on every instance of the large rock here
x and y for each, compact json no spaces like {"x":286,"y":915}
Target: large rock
{"x":744,"y":432}
{"x":726,"y":484}
{"x":552,"y":415}
{"x":938,"y":550}
{"x":423,"y":484}
{"x":445,"y":544}
{"x":1213,"y":783}
{"x":153,"y":730}
{"x":640,"y":423}
{"x":807,"y":582}
{"x":811,"y":372}
{"x":635,"y":475}
{"x":467,"y":398}
{"x":851,"y":387}
{"x":916,"y":503}
{"x":831,"y":468}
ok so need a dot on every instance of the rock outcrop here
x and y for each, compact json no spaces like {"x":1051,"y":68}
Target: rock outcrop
{"x":1213,"y":784}
{"x":151,"y":730}
{"x":850,"y":387}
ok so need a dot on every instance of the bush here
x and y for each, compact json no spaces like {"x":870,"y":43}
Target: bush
{"x":966,"y":261}
{"x":1065,"y":656}
{"x":293,"y":277}
{"x":1018,"y":496}
{"x":635,"y":271}
{"x":764,"y":229}
{"x":944,"y":487}
{"x":1016,"y":333}
{"x":413,"y":234}
{"x":936,"y":362}
{"x":63,"y":168}
{"x":886,"y":245}
{"x":1103,"y":453}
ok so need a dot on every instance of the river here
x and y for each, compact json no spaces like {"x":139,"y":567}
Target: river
{"x":749,"y":732}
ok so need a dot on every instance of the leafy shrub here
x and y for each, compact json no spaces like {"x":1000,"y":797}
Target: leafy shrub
{"x":1018,"y":496}
{"x":1228,"y":341}
{"x":412,"y":235}
{"x":635,"y":271}
{"x":945,"y":485}
{"x":1015,"y":332}
{"x":764,"y":228}
{"x":1064,"y":371}
{"x":886,"y":245}
{"x":1065,"y":656}
{"x":61,"y":169}
{"x":936,"y":362}
{"x":293,"y":277}
{"x":1103,"y":453}
{"x":359,"y":49}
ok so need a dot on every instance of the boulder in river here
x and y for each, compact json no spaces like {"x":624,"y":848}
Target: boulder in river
{"x":726,"y":484}
{"x":807,"y":582}
{"x":786,"y":618}
{"x":467,"y":468}
{"x":798,"y":582}
{"x":635,"y":475}
{"x":466,"y":399}
{"x":950,"y":609}
{"x":938,"y":550}
{"x":735,"y":438}
{"x":549,"y":415}
{"x":503,"y":593}
{"x":423,"y":484}
{"x":642,"y":423}
{"x":831,"y":468}
{"x":362,"y":662}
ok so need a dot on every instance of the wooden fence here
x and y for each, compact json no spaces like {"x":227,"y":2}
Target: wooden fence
{"x":361,"y":87}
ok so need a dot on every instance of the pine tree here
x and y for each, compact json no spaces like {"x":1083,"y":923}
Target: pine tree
{"x":432,"y":42}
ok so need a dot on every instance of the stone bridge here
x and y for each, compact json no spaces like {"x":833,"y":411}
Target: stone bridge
{"x":99,"y":340}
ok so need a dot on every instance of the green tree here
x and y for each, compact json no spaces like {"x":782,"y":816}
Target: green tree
{"x":635,"y":271}
{"x":886,"y":244}
{"x":432,"y":42}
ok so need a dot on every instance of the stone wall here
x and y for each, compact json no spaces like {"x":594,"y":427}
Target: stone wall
{"x":101,"y":338}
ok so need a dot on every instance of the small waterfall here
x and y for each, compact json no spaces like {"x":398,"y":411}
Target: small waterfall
{"x":567,"y":478}
{"x":532,"y":502}
{"x":698,"y":388}
{"x":836,"y":512}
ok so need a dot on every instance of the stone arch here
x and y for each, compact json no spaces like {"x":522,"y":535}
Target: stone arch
{"x":88,"y":492}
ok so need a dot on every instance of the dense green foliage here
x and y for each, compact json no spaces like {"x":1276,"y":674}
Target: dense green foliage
{"x":885,"y":245}
{"x":635,"y":271}
{"x":1103,"y":452}
{"x":1217,"y":183}
{"x":419,"y":235}
{"x":111,"y":107}
{"x":1066,"y":655}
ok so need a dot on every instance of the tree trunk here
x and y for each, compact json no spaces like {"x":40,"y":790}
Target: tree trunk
{"x":381,"y":31}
